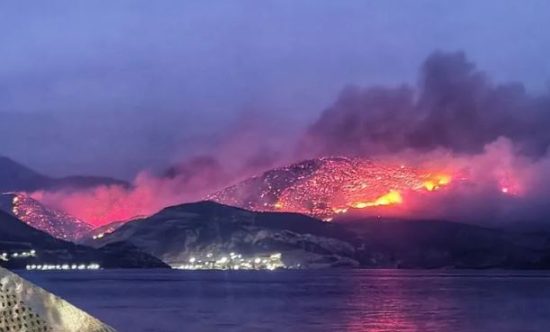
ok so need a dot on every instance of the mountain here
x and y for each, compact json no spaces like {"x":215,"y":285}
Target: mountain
{"x":16,"y":177}
{"x":16,"y":231}
{"x":105,"y":229}
{"x":443,"y":244}
{"x":329,"y":186}
{"x":100,"y":231}
{"x":179,"y":233}
{"x":17,"y":237}
{"x":56,"y":223}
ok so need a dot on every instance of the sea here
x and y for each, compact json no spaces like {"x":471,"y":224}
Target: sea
{"x":307,"y":300}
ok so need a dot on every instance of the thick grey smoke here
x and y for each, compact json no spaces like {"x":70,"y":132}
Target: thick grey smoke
{"x":491,"y":138}
{"x":494,"y":138}
{"x":454,"y":106}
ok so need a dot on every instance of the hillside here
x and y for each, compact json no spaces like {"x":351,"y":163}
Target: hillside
{"x":444,"y":244}
{"x":56,"y":223}
{"x":330,"y":186}
{"x":17,"y":237}
{"x":17,"y":177}
{"x":178,"y":233}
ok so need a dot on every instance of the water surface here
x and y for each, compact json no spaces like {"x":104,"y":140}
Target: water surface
{"x":327,"y":300}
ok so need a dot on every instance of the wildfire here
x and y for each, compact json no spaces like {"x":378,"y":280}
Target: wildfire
{"x":509,"y":185}
{"x":54,"y":222}
{"x":393,"y":197}
{"x":327,"y":187}
{"x":436,"y":182}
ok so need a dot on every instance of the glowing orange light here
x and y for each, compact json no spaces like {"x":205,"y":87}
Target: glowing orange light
{"x":429,"y":185}
{"x":509,"y":184}
{"x":329,"y":187}
{"x":393,"y":197}
{"x":444,"y":180}
{"x":436,"y":182}
{"x":340,"y":210}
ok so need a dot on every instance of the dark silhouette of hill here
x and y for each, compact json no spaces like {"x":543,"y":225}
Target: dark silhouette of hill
{"x":16,"y":236}
{"x":17,"y":177}
{"x":179,"y":232}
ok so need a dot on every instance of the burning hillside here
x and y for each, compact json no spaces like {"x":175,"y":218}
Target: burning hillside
{"x":51,"y":221}
{"x":496,"y":185}
{"x":325,"y":187}
{"x":455,"y":146}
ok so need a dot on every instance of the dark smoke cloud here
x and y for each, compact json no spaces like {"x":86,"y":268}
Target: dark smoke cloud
{"x":454,"y":106}
{"x":491,"y":137}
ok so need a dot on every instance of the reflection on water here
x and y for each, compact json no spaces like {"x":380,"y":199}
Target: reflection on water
{"x":390,"y":312}
{"x":329,"y":300}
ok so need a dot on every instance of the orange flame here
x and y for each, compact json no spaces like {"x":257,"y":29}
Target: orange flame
{"x":392,"y":197}
{"x":436,"y":182}
{"x":337,"y":185}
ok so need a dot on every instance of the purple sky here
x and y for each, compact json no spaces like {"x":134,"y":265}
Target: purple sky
{"x":111,"y":87}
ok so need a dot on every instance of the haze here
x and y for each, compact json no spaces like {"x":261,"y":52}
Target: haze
{"x":111,"y":88}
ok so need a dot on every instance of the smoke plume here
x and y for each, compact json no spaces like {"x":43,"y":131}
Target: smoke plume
{"x":454,"y":106}
{"x":247,"y":147}
{"x":493,"y":138}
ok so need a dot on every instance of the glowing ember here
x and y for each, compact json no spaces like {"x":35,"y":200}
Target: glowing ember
{"x":393,"y":197}
{"x":509,"y":185}
{"x":35,"y":214}
{"x":327,"y":187}
{"x":437,"y":182}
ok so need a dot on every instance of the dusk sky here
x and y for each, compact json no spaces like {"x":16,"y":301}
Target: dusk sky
{"x":110,"y":88}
